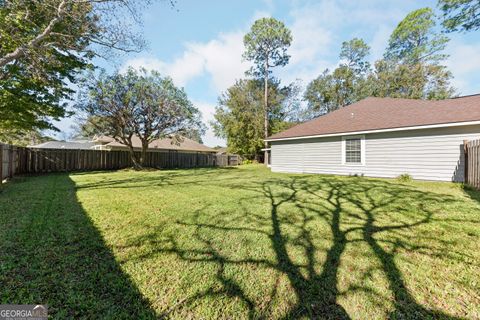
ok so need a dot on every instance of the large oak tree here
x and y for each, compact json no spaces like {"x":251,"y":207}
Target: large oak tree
{"x":138,"y":104}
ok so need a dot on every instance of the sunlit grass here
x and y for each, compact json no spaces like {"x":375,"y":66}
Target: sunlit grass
{"x":240,"y":243}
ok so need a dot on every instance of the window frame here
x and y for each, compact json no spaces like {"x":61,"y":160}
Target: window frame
{"x":362,"y":150}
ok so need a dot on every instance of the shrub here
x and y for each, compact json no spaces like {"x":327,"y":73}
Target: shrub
{"x":247,"y":161}
{"x":465,"y":186}
{"x":404,"y":177}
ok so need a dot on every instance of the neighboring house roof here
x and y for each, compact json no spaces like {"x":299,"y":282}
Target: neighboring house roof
{"x":221,"y":150}
{"x":64,"y":145}
{"x":388,"y":114}
{"x":165,"y":143}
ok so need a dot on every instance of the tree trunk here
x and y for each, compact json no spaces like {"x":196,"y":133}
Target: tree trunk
{"x":265,"y":113}
{"x":143,"y":156}
{"x":137,"y":165}
{"x":136,"y":162}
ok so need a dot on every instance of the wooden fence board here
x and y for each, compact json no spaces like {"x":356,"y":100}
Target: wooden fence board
{"x":20,"y":160}
{"x":472,"y":163}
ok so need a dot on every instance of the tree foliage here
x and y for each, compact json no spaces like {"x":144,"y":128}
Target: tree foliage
{"x":415,"y":39}
{"x":415,"y":81}
{"x":45,"y":44}
{"x":239,"y":114}
{"x":460,"y":15}
{"x":87,"y":126}
{"x":266,"y":46}
{"x":345,"y":85}
{"x":411,"y":68}
{"x":412,"y":62}
{"x":23,"y":138}
{"x":354,"y":53}
{"x":138,"y":104}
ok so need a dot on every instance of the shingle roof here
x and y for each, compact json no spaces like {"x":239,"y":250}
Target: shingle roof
{"x":165,"y":143}
{"x":388,"y":113}
{"x":64,"y":145}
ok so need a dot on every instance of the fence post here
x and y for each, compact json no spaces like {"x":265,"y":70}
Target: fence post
{"x":1,"y":163}
{"x":465,"y":165}
{"x":10,"y":163}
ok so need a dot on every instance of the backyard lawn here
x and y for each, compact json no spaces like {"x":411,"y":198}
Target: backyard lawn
{"x":239,"y":243}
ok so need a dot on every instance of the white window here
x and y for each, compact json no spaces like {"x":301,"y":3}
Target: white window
{"x":353,"y":150}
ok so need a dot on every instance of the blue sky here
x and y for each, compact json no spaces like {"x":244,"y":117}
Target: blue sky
{"x":199,"y":43}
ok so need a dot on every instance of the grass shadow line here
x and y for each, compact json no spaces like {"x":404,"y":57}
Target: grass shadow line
{"x":51,"y":253}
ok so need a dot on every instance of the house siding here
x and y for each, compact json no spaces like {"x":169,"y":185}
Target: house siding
{"x":426,"y":154}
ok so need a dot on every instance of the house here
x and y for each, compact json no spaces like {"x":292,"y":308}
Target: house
{"x":382,"y":137}
{"x":164,"y":144}
{"x":109,"y":143}
{"x":222,"y":150}
{"x":73,"y":145}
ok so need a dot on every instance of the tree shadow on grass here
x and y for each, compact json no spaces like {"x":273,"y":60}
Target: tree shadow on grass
{"x":51,"y":253}
{"x":145,"y":179}
{"x":318,"y":293}
{"x":375,"y":213}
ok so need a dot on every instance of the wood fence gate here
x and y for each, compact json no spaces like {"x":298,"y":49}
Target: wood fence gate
{"x":472,"y":163}
{"x":20,"y":160}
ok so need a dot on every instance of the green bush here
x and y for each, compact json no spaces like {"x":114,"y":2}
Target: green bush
{"x":404,"y":177}
{"x":247,"y":161}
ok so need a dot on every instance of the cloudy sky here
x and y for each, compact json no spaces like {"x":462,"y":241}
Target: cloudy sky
{"x":199,"y":43}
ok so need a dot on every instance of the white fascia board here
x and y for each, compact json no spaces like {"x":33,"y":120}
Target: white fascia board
{"x":430,"y":126}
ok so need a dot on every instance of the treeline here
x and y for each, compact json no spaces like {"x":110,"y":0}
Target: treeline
{"x":412,"y":66}
{"x":47,"y":48}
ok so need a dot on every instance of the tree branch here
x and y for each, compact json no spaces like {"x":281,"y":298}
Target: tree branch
{"x":21,"y":51}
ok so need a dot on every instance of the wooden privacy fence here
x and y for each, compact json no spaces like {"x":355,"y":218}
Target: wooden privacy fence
{"x":472,"y":163}
{"x":20,"y":160}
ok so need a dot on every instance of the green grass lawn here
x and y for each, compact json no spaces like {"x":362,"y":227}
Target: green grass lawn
{"x":239,"y":243}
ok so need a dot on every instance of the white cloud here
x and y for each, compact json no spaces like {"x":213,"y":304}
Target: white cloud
{"x":145,"y":62}
{"x":318,"y":28}
{"x":208,"y":110}
{"x":269,"y":4}
{"x":379,"y":42}
{"x":181,"y":70}
{"x":310,"y":40}
{"x":258,"y":15}
{"x":221,"y":58}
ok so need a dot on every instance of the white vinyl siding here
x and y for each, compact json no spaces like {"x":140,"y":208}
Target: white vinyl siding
{"x":427,"y":154}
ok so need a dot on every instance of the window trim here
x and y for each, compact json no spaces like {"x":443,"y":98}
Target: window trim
{"x":362,"y":150}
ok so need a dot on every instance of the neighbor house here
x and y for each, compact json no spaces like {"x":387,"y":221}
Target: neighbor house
{"x":163,"y":144}
{"x":382,"y":137}
{"x":109,"y":143}
{"x":69,"y":145}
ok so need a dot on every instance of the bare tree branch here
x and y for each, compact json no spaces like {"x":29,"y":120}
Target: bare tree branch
{"x":21,"y":51}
